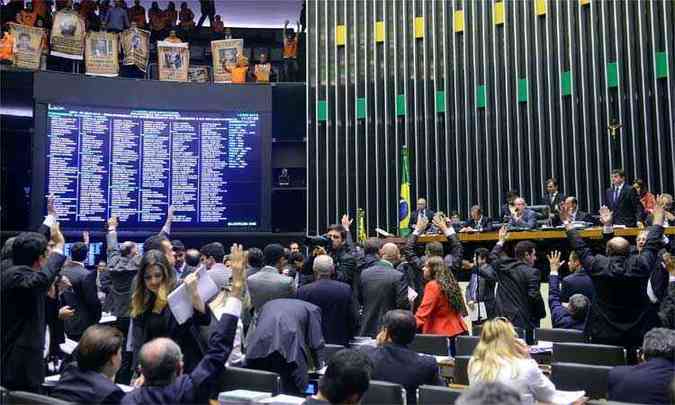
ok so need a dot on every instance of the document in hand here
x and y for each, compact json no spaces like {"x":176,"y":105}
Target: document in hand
{"x":180,"y":302}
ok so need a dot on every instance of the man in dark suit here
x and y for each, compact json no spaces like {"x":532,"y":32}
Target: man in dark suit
{"x":619,"y":313}
{"x":339,"y":315}
{"x":552,"y":197}
{"x":287,"y":335}
{"x":394,"y":362}
{"x":523,"y":217}
{"x":382,"y":288}
{"x":24,"y":289}
{"x":574,"y":214}
{"x":518,"y":295}
{"x":82,"y":296}
{"x":477,"y":222}
{"x":161,"y":359}
{"x":421,"y":211}
{"x":579,"y":282}
{"x":345,"y":263}
{"x":481,"y":288}
{"x":91,"y":378}
{"x":268,"y":283}
{"x":573,"y":316}
{"x":623,"y":201}
{"x":648,"y":382}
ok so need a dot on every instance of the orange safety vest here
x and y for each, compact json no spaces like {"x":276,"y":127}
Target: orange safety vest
{"x":7,"y":47}
{"x":290,"y":48}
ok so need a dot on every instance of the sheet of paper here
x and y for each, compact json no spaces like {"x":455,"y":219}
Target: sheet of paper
{"x":125,"y":388}
{"x":566,"y":397}
{"x":477,"y":312}
{"x":180,"y":301}
{"x":412,"y":294}
{"x":68,"y":346}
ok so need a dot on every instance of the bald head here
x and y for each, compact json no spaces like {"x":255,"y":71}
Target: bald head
{"x":618,"y":246}
{"x":323,"y":266}
{"x":390,"y":253}
{"x":161,"y":361}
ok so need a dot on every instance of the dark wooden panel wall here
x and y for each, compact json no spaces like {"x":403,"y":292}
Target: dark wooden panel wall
{"x":484,"y":108}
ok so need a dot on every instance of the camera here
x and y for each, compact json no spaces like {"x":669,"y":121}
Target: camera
{"x":322,"y":241}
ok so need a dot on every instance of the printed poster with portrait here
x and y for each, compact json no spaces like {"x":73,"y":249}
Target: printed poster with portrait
{"x":101,"y":54}
{"x":174,"y":61}
{"x":136,"y":45}
{"x":225,"y":53}
{"x":68,"y":34}
{"x":27,"y":45}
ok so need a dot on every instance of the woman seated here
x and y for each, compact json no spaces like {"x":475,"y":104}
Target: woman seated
{"x":152,"y":318}
{"x":501,"y":356}
{"x":442,"y":307}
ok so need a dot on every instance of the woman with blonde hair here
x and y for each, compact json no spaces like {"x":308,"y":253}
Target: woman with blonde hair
{"x":150,"y":314}
{"x":501,"y":356}
{"x":442,"y":307}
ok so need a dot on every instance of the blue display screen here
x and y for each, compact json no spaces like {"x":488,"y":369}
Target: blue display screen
{"x":133,"y":164}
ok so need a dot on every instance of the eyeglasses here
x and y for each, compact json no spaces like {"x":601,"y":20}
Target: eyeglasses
{"x":334,"y":236}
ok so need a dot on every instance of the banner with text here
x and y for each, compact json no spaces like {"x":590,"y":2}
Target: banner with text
{"x":101,"y":54}
{"x":68,"y":33}
{"x":174,"y":61}
{"x":136,"y":46}
{"x":225,"y":54}
{"x":27,"y":45}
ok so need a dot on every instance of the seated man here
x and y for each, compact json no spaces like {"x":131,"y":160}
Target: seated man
{"x":161,"y":359}
{"x":345,"y":381}
{"x":90,"y":380}
{"x":394,"y":362}
{"x":523,"y":217}
{"x":648,"y":382}
{"x":572,"y":316}
{"x":477,"y":222}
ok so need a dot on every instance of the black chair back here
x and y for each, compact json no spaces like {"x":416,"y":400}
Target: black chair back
{"x":587,"y":353}
{"x":576,"y":377}
{"x":464,"y":345}
{"x":236,"y":378}
{"x":461,"y":375}
{"x":560,"y":335}
{"x":603,"y":402}
{"x":330,"y":350}
{"x":430,"y":344}
{"x":381,"y":392}
{"x":435,"y":395}
{"x":29,"y":398}
{"x":475,"y":331}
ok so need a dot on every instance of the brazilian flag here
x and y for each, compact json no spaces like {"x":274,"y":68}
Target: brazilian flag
{"x":404,"y":199}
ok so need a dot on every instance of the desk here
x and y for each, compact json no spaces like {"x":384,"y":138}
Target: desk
{"x":588,"y":233}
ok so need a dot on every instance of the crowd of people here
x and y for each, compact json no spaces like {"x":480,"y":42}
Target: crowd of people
{"x":276,"y":308}
{"x":170,"y":24}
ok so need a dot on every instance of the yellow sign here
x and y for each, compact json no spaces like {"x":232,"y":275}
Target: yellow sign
{"x":340,"y":34}
{"x":379,"y":31}
{"x":459,"y":21}
{"x":540,"y":7}
{"x":584,"y":2}
{"x":419,"y":27}
{"x":499,"y":13}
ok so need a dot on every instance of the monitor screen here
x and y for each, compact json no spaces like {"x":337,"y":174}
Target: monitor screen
{"x":135,"y":163}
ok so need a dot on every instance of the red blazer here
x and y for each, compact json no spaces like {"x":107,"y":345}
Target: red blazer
{"x":434,"y":316}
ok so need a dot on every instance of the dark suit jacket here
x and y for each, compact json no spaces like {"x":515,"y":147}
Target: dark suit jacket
{"x":627,"y":210}
{"x":578,"y":282}
{"x":413,"y":216}
{"x":482,"y":224}
{"x":560,"y":317}
{"x":400,"y":365}
{"x":339,"y":314}
{"x":619,"y":312}
{"x":528,"y":220}
{"x":23,"y":323}
{"x":119,"y":278}
{"x":383,"y":288}
{"x":267,"y":284}
{"x":646,"y":383}
{"x":82,"y":297}
{"x":194,"y":387}
{"x":518,"y":295}
{"x":553,"y":203}
{"x":86,"y":387}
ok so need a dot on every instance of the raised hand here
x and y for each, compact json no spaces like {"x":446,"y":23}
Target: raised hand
{"x":191,"y":281}
{"x":564,"y":212}
{"x":51,"y":208}
{"x":170,"y":212}
{"x":346,"y":222}
{"x":658,"y":214}
{"x":112,"y":224}
{"x":238,"y":262}
{"x":57,"y":236}
{"x":422,"y":223}
{"x":605,"y":215}
{"x":554,"y":261}
{"x":504,"y":233}
{"x":439,"y":222}
{"x":85,"y":237}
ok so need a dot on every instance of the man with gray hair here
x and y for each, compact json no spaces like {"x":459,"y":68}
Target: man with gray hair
{"x":381,"y":289}
{"x":490,"y":393}
{"x":161,"y":359}
{"x":339,"y":313}
{"x":648,"y":382}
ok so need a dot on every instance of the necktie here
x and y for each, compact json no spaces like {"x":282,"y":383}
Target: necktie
{"x":474,"y":286}
{"x":616,"y":194}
